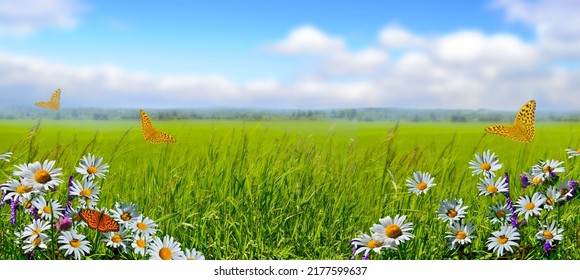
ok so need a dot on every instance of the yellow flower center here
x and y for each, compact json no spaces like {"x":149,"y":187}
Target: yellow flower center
{"x":550,"y":201}
{"x":165,"y":253}
{"x":491,"y":189}
{"x":451,"y":213}
{"x":23,"y":189}
{"x":501,"y":213}
{"x":393,"y":231}
{"x":140,"y":243}
{"x":36,"y":241}
{"x":538,"y":180}
{"x":502,"y":239}
{"x":46,"y":209}
{"x":530,"y":206}
{"x":116,"y":238}
{"x":141,"y":226}
{"x":460,"y":235}
{"x":42,"y":176}
{"x":35,"y":231}
{"x":548,"y":168}
{"x":125,"y":216}
{"x":548,"y":235}
{"x":76,"y":217}
{"x":485,"y":166}
{"x":75,"y":243}
{"x":578,"y":151}
{"x":421,"y":186}
{"x":92,"y":170}
{"x":86,"y":192}
{"x":27,"y":204}
{"x":374,"y":244}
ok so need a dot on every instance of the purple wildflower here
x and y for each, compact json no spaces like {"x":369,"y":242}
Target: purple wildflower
{"x":366,"y":256}
{"x":354,"y":247}
{"x":513,"y":216}
{"x":525,"y":181}
{"x":548,"y":249}
{"x":507,"y":181}
{"x":573,"y":185}
{"x":34,"y":213}
{"x":63,"y":223}
{"x":13,"y":208}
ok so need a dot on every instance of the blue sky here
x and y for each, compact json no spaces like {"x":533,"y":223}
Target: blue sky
{"x":291,"y":54}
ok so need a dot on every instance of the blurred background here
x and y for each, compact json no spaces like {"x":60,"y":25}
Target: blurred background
{"x":297,"y":54}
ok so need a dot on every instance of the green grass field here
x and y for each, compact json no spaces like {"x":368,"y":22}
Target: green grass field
{"x":296,"y":190}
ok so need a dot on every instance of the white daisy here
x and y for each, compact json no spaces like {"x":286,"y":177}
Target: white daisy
{"x":125,"y":213}
{"x":47,"y":211}
{"x":42,"y":176}
{"x":486,"y":163}
{"x":35,"y":230}
{"x":393,"y":230}
{"x":143,"y":225}
{"x":550,"y":233}
{"x":503,"y":240}
{"x":168,"y":249}
{"x":488,"y":187}
{"x":547,"y":169}
{"x":37,"y":241}
{"x":140,"y":244}
{"x":499,"y":213}
{"x":91,"y":167}
{"x":553,"y":196}
{"x":460,"y":234}
{"x":118,"y":239}
{"x":530,"y":207}
{"x":74,"y":243}
{"x":15,"y":190}
{"x":573,"y":153}
{"x":193,"y":255}
{"x":87,"y":192}
{"x":20,"y":169}
{"x":566,"y":190}
{"x":421,"y":183}
{"x":6,"y":156}
{"x":451,"y":210}
{"x":365,"y":244}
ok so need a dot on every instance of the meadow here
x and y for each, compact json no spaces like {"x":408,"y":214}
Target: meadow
{"x":297,"y":189}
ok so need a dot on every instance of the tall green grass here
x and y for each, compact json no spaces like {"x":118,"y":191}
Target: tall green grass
{"x":296,"y":190}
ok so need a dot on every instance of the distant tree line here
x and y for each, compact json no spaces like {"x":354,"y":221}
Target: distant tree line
{"x":355,"y":114}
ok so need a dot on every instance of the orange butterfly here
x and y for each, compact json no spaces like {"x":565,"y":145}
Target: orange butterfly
{"x":522,"y":129}
{"x":151,"y":134}
{"x":53,"y":103}
{"x":99,"y":220}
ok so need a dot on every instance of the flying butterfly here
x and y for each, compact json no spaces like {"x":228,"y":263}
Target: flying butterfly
{"x":53,"y":103}
{"x":151,"y":134}
{"x":522,"y":129}
{"x":99,"y":220}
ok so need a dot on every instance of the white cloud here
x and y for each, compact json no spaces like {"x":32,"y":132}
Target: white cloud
{"x":365,"y":62}
{"x":307,"y":40}
{"x":394,"y":36}
{"x":469,"y":47}
{"x":556,"y":23}
{"x":23,"y":17}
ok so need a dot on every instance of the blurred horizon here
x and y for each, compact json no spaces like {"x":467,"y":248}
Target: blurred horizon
{"x":297,"y":55}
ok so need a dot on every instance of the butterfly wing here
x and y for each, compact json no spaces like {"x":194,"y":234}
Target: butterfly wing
{"x":91,"y":217}
{"x":151,"y":134}
{"x":522,"y":130}
{"x":107,"y":223}
{"x":53,"y":103}
{"x":509,"y":131}
{"x":525,"y":120}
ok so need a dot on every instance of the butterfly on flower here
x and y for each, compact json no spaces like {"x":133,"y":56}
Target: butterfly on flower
{"x":522,"y":129}
{"x":53,"y":103}
{"x":151,"y":134}
{"x":99,"y":220}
